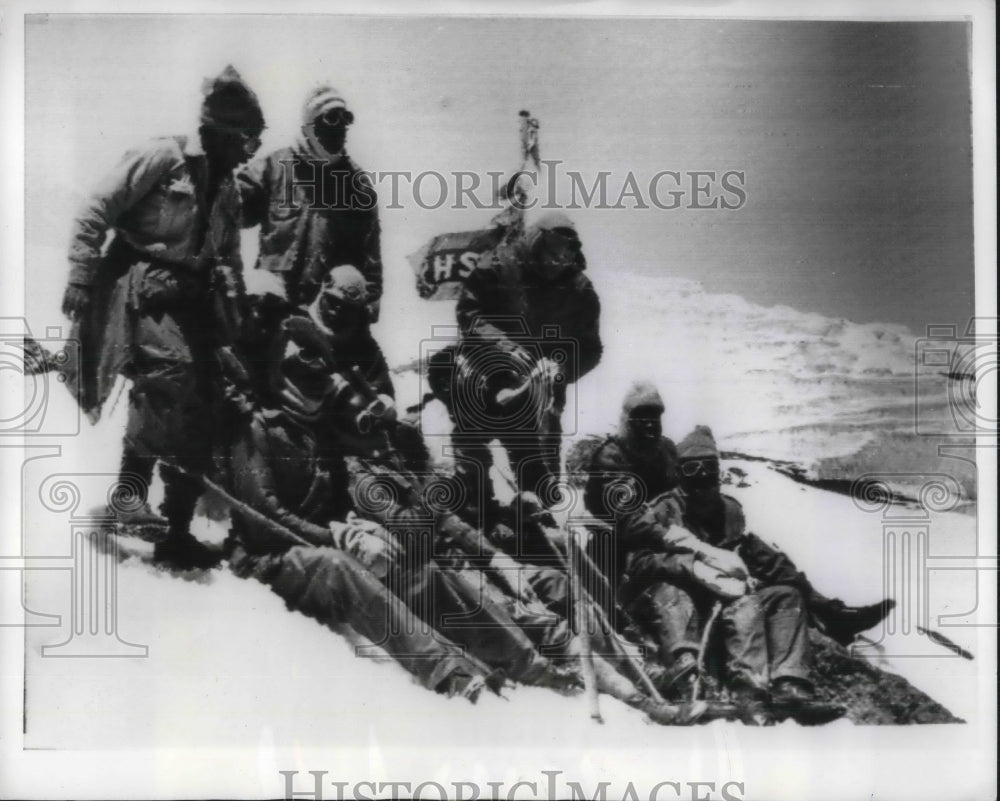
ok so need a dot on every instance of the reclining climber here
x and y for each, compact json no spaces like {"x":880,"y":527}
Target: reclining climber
{"x":676,"y":556}
{"x":292,"y":530}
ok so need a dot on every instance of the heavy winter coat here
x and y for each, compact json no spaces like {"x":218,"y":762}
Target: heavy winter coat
{"x":313,"y":216}
{"x":721,"y":522}
{"x":157,"y":305}
{"x":505,"y":301}
{"x":280,"y":471}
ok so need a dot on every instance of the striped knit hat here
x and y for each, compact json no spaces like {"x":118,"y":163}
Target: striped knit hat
{"x":320,"y":100}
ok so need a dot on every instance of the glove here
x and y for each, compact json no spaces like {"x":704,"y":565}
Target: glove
{"x":389,"y":415}
{"x":726,"y":562}
{"x":159,"y":290}
{"x":666,"y":509}
{"x":725,"y":587}
{"x":677,"y":538}
{"x":550,"y":369}
{"x":367,"y":542}
{"x":380,"y":412}
{"x":75,"y":301}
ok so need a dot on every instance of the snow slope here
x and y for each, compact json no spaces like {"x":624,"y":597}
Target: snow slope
{"x":230,"y":668}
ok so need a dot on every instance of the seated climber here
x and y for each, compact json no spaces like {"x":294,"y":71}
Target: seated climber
{"x":758,"y":593}
{"x":657,"y":561}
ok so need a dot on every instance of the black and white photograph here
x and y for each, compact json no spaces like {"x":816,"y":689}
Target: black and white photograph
{"x":585,"y":401}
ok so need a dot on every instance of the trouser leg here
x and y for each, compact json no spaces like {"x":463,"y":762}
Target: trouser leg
{"x":786,"y":626}
{"x":545,"y":625}
{"x":136,"y":472}
{"x":668,"y":614}
{"x":472,"y":469}
{"x":170,"y":419}
{"x":181,"y":489}
{"x":464,"y":613}
{"x":743,"y":632}
{"x":530,"y":463}
{"x":333,"y":588}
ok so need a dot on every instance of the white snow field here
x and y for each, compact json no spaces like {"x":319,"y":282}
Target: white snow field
{"x":228,"y":667}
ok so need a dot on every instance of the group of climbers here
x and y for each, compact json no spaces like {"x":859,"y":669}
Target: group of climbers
{"x":285,"y":399}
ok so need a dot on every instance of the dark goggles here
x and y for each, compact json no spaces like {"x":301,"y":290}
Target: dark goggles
{"x":249,"y":138}
{"x":334,"y":304}
{"x":335,"y":117}
{"x":250,"y":141}
{"x":699,"y":467}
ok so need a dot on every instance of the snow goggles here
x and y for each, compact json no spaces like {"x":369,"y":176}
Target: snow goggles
{"x":699,"y":467}
{"x":250,"y":141}
{"x":334,"y":117}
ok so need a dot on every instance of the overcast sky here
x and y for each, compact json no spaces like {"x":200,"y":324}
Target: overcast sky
{"x":854,"y":137}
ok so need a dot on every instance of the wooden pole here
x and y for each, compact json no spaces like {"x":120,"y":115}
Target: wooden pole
{"x":602,"y":618}
{"x":583,"y":632}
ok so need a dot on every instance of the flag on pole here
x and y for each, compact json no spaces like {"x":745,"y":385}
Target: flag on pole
{"x":442,"y":265}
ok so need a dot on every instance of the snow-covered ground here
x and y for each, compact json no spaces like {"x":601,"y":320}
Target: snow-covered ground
{"x":229,"y":667}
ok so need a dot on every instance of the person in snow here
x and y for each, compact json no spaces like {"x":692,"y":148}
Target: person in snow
{"x":365,"y":393}
{"x":296,"y":477}
{"x":634,"y":483}
{"x":315,"y":207}
{"x":627,"y":472}
{"x":294,"y":529}
{"x":164,"y":300}
{"x":764,"y":624}
{"x":638,"y":462}
{"x":529,"y":321}
{"x":439,"y":560}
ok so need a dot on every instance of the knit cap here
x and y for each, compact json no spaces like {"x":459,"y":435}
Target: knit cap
{"x":322,"y":99}
{"x":699,"y":444}
{"x":230,"y":103}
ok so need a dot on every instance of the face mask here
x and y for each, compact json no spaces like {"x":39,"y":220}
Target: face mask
{"x":306,"y":382}
{"x":337,"y":316}
{"x":645,"y":428}
{"x":557,"y":251}
{"x":229,"y":147}
{"x":331,"y":131}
